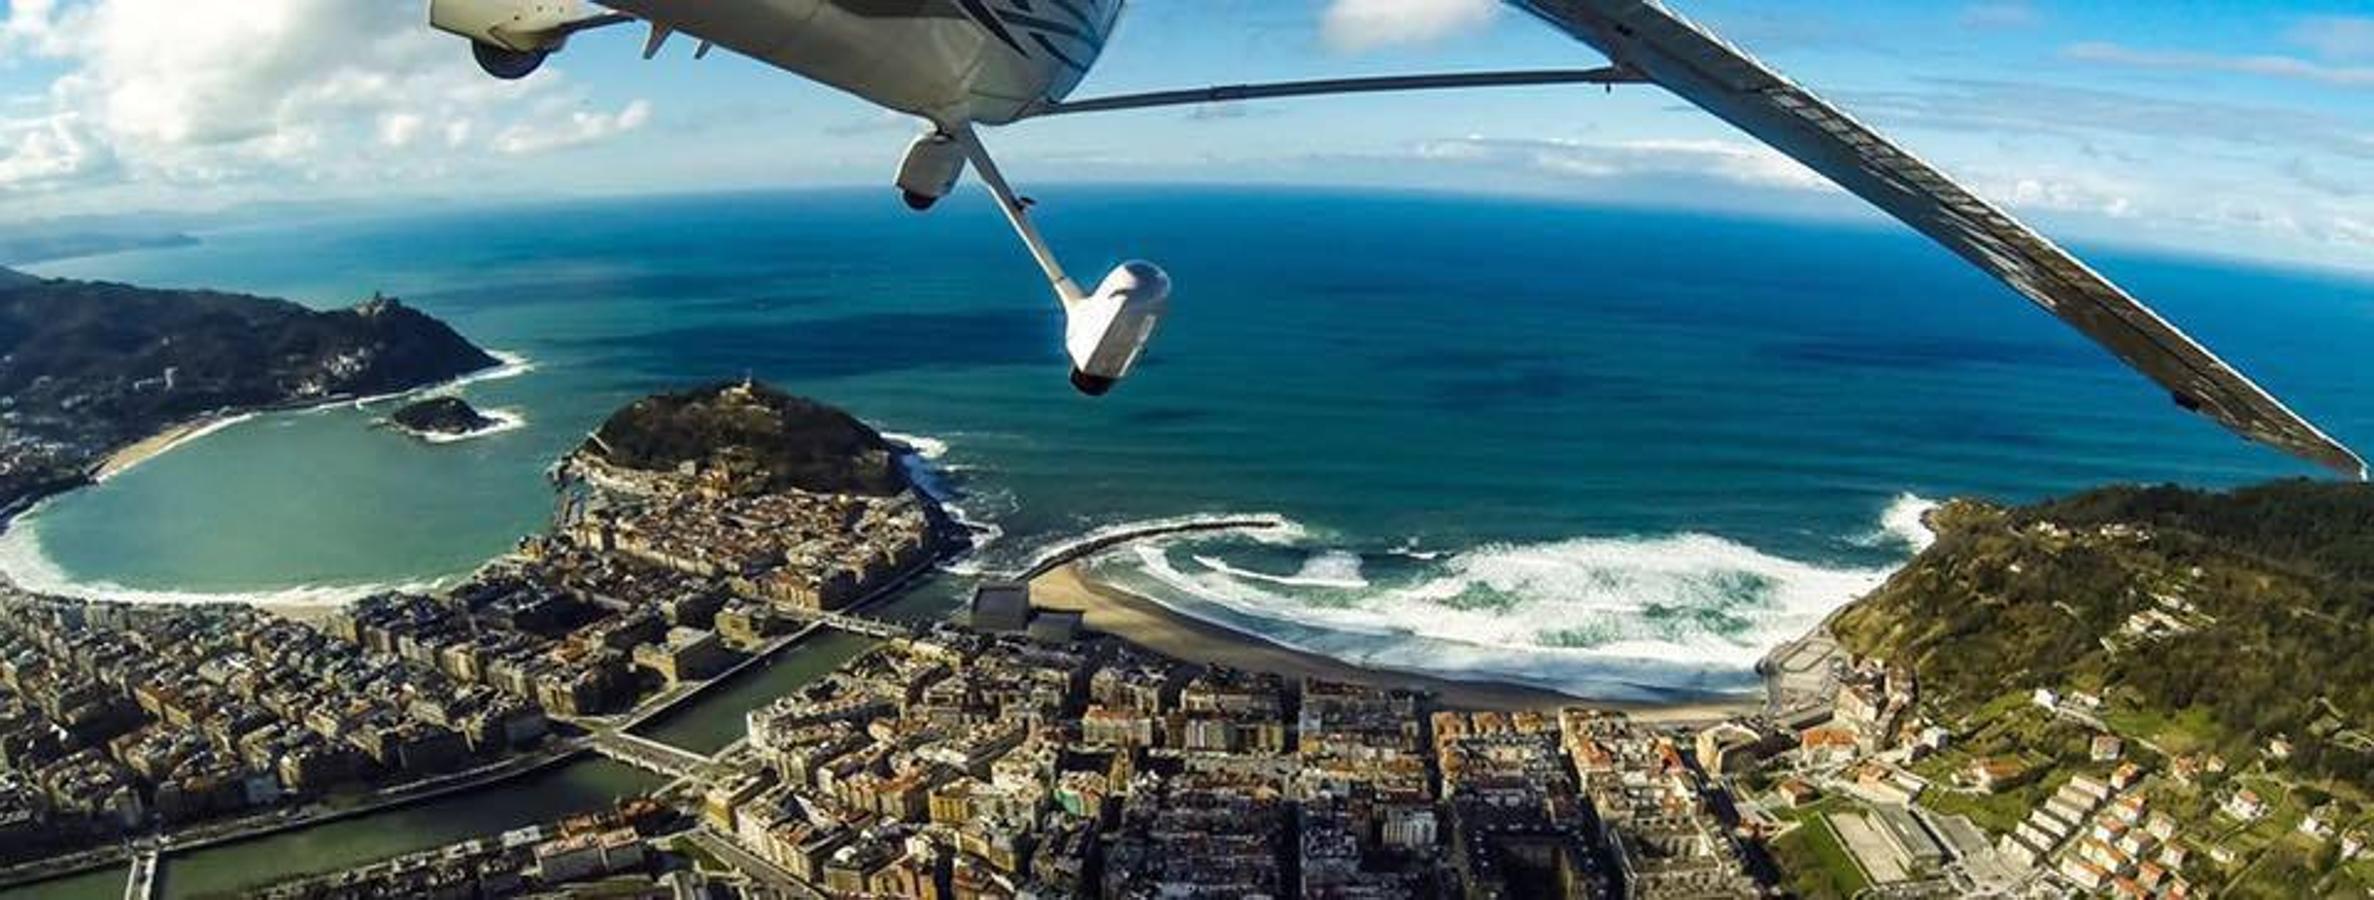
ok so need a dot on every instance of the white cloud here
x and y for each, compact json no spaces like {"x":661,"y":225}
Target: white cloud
{"x":1736,"y":162}
{"x":2270,"y":66}
{"x":49,"y":152}
{"x":2351,"y":231}
{"x":2041,"y":188}
{"x":199,"y":93}
{"x":578,"y":128}
{"x":399,"y":129}
{"x":33,"y":26}
{"x":1366,"y":24}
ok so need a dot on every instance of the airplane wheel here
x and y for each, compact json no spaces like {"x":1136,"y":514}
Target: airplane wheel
{"x":919,"y":202}
{"x":505,"y":63}
{"x":1092,"y":385}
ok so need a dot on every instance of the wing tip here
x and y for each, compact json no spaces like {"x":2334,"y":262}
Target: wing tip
{"x":2346,"y":462}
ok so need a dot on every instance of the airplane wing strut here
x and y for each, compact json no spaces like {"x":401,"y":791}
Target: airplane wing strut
{"x":1443,"y":81}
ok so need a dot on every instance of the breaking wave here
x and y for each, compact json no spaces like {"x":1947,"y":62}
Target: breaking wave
{"x":1332,"y":569}
{"x":23,"y":563}
{"x":1904,"y":524}
{"x":924,"y":459}
{"x":509,"y":365}
{"x":928,"y":449}
{"x":1607,"y":617}
{"x":504,"y":420}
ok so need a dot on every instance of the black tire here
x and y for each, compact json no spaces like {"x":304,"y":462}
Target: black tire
{"x":918,"y":202}
{"x":505,"y":63}
{"x":1092,"y":385}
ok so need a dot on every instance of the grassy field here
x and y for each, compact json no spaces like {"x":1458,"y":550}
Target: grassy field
{"x":2295,"y":866}
{"x":1996,"y":813}
{"x":1817,"y":863}
{"x":2189,"y":731}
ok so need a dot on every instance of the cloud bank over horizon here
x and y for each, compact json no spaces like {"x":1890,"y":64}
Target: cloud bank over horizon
{"x":2245,"y":130}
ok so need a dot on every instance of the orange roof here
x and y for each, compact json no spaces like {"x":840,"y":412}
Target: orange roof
{"x":1816,"y":738}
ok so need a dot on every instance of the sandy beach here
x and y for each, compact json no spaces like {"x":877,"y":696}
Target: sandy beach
{"x":1140,"y":621}
{"x":508,"y":365}
{"x":145,"y":449}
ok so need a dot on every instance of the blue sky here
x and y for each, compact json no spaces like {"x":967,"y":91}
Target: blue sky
{"x":2230,"y":127}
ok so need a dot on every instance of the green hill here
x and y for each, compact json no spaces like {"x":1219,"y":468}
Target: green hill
{"x":86,"y":366}
{"x":2244,"y":615}
{"x":770,"y":440}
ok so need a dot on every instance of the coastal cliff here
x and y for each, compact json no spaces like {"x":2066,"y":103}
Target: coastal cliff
{"x":761,"y":439}
{"x":87,"y":366}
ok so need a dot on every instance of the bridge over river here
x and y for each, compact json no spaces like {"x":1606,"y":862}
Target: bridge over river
{"x":653,"y":756}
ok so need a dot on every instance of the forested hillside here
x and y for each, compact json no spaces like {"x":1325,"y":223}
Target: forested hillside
{"x":2247,"y":612}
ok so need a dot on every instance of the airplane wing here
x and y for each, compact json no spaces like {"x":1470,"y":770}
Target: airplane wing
{"x":1663,"y":47}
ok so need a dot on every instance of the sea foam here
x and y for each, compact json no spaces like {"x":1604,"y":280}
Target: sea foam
{"x":1335,"y":569}
{"x":924,"y":460}
{"x":504,"y":420}
{"x":928,"y":449}
{"x":508,"y":365}
{"x":1905,"y":524}
{"x":1600,"y":616}
{"x":23,"y":563}
{"x":1268,"y":528}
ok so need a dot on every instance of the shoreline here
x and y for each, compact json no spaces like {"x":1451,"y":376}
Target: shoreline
{"x":1147,"y":624}
{"x":126,"y":457}
{"x":123,"y":459}
{"x":503,"y":420}
{"x":1059,"y":583}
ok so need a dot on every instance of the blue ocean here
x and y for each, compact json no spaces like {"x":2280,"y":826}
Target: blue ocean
{"x":1615,"y":452}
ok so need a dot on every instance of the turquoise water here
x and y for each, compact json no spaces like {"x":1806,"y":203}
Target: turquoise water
{"x":1606,"y":450}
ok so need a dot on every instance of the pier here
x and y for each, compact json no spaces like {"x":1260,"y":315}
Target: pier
{"x":1098,"y":542}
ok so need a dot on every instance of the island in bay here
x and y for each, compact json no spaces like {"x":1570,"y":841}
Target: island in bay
{"x":96,"y":375}
{"x":441,"y":417}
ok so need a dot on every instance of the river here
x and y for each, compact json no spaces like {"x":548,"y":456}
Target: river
{"x":710,"y":723}
{"x":224,"y":870}
{"x":716,"y":720}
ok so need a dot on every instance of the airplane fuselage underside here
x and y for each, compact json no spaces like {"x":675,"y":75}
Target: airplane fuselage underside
{"x":950,"y":61}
